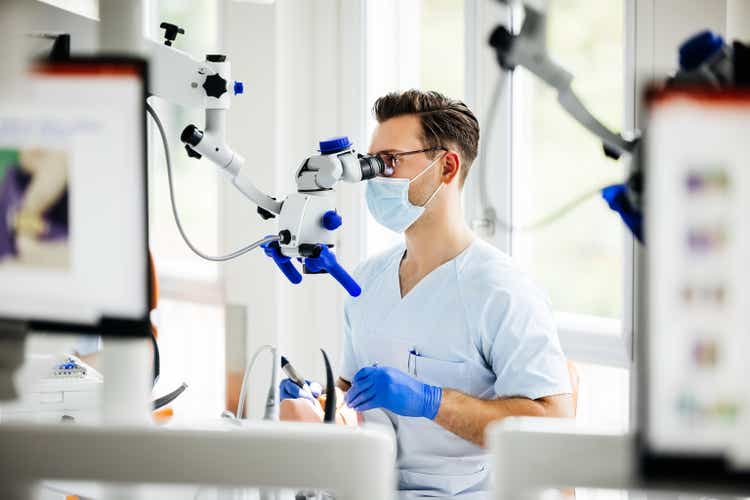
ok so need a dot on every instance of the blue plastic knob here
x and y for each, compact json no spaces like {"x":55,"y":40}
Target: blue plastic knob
{"x":239,"y":88}
{"x":698,"y":48}
{"x":335,"y":144}
{"x":331,"y":220}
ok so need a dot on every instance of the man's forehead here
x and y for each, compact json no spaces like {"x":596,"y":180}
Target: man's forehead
{"x":397,"y":134}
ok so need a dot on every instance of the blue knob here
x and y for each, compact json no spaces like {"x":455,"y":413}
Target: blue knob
{"x":331,"y":220}
{"x":239,"y":88}
{"x":335,"y":144}
{"x":698,"y":48}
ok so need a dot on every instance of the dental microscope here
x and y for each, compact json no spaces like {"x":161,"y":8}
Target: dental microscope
{"x":307,"y":218}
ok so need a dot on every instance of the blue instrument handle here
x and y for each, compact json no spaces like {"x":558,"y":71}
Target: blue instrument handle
{"x":273,"y":250}
{"x":326,"y":260}
{"x":343,"y":277}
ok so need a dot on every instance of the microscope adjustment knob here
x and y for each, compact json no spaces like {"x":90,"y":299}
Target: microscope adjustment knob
{"x":215,"y":86}
{"x":331,"y":220}
{"x":170,"y":32}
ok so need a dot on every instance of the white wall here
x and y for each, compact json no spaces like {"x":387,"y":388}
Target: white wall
{"x":738,"y":20}
{"x":44,"y":17}
{"x":303,"y":70}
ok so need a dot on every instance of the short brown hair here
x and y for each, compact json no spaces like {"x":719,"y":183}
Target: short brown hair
{"x":444,"y":120}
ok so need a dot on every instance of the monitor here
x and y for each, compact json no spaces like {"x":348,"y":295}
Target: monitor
{"x":694,"y":389}
{"x":73,"y":199}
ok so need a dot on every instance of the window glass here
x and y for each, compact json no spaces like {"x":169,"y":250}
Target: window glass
{"x":579,"y":258}
{"x":196,"y":181}
{"x":437,"y":49}
{"x":442,"y":49}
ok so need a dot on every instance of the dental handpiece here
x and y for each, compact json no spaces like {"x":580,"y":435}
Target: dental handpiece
{"x":294,"y":376}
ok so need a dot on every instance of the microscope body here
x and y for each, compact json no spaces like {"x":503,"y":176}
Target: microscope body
{"x":309,"y":216}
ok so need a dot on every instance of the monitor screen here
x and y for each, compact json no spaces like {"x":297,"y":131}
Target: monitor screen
{"x":694,"y":389}
{"x":73,"y":214}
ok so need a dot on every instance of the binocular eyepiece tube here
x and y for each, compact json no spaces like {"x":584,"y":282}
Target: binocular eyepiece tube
{"x":372,"y":166}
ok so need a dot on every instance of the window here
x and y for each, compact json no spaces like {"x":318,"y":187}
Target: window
{"x":191,"y":313}
{"x":196,"y":182}
{"x":578,"y":259}
{"x":426,"y":38}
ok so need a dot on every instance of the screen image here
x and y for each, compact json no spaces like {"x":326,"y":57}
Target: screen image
{"x":34,"y":221}
{"x":699,"y":305}
{"x":73,"y":214}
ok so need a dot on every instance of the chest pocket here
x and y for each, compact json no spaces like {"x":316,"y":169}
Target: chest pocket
{"x":385,"y":351}
{"x":449,"y":374}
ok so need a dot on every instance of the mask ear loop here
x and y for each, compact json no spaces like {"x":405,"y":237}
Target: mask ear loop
{"x":425,"y":170}
{"x":433,"y":195}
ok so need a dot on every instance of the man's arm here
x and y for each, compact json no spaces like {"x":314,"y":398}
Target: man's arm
{"x":468,"y":417}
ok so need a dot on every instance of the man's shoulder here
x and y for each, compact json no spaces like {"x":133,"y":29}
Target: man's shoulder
{"x":486,"y":264}
{"x":488,"y":274}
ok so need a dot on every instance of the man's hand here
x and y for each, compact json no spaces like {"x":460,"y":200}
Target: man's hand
{"x":290,"y":390}
{"x":304,"y":410}
{"x":394,"y":390}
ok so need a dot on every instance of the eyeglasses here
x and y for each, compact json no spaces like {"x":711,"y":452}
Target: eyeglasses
{"x":392,"y":159}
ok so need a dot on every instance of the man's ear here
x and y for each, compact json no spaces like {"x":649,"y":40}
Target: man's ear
{"x":451,"y":166}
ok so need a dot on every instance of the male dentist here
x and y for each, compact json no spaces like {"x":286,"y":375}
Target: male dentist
{"x":448,"y":335}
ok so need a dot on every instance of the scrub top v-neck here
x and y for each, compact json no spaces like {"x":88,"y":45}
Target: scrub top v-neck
{"x":474,"y":324}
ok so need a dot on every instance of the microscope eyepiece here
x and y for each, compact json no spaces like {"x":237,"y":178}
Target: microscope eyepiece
{"x":372,"y":166}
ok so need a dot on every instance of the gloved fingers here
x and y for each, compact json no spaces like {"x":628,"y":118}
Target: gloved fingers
{"x":364,"y":393}
{"x":290,"y":390}
{"x":362,"y":399}
{"x":368,"y":405}
{"x":364,"y":373}
{"x":356,"y":390}
{"x":315,"y":388}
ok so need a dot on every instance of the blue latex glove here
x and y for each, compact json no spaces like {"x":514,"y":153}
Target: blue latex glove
{"x":394,"y":390}
{"x":290,"y":390}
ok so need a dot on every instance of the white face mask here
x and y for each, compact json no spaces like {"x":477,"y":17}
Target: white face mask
{"x":388,"y":200}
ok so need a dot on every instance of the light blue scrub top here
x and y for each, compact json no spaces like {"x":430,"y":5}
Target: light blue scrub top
{"x":475,"y":324}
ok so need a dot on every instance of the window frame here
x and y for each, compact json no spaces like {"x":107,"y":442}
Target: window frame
{"x":584,"y":338}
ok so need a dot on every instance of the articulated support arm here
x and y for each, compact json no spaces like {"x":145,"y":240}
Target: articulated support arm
{"x":528,"y":49}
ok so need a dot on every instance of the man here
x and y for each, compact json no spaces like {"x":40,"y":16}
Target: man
{"x":447,"y":336}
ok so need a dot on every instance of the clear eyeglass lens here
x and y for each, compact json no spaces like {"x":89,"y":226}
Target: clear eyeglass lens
{"x":391,"y":160}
